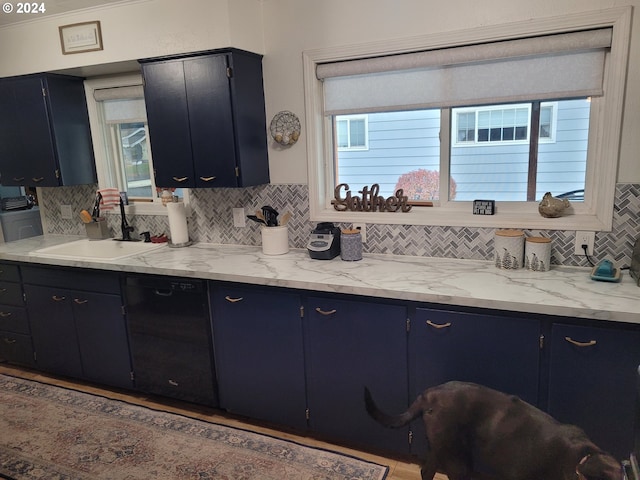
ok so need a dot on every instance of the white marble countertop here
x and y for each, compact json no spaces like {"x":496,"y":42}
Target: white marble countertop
{"x":564,"y":291}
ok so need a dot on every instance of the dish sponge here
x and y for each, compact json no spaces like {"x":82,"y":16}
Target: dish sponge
{"x":605,"y":271}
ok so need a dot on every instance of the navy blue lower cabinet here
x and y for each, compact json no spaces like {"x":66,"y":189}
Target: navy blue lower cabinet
{"x":80,"y":334}
{"x":53,"y":330}
{"x":502,"y":353}
{"x":592,"y":382}
{"x":259,"y":353}
{"x":102,"y":338}
{"x":351,"y":344}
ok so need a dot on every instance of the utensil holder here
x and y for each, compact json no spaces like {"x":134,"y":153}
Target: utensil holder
{"x":98,"y":229}
{"x":275,"y":240}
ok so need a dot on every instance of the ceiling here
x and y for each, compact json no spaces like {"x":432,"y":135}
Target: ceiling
{"x":53,"y":7}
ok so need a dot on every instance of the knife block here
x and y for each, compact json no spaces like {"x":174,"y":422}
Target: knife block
{"x":98,"y":229}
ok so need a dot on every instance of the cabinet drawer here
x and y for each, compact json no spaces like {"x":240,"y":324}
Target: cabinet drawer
{"x":11,"y":294}
{"x":16,"y":348}
{"x":13,"y":319}
{"x":9,"y":273}
{"x":77,"y":279}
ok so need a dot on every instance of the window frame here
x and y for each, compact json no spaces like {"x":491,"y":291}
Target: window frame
{"x":100,"y":145}
{"x":350,"y":118}
{"x":490,"y":108}
{"x":594,"y":214}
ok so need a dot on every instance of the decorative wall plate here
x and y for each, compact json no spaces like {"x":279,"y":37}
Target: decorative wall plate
{"x":285,"y":128}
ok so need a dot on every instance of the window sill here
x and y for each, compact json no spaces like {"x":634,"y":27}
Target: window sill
{"x":438,"y":216}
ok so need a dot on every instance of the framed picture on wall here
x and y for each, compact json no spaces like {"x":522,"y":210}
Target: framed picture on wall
{"x":80,"y":37}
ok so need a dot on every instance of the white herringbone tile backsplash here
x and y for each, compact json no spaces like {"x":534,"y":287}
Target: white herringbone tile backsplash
{"x":211,"y":221}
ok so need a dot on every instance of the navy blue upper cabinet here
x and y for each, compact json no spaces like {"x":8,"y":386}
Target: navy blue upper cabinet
{"x":45,"y":139}
{"x":206,"y":118}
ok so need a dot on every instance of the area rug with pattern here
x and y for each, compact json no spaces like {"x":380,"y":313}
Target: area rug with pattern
{"x":54,"y":433}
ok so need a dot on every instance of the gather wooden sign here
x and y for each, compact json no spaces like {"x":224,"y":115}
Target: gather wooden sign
{"x":370,"y":201}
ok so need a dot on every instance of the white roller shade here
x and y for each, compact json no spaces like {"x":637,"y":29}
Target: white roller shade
{"x":548,"y":67}
{"x":122,"y":104}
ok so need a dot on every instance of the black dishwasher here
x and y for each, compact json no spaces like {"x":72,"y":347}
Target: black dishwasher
{"x":170,"y":337}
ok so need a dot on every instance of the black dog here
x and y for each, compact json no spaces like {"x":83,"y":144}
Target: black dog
{"x":475,"y":432}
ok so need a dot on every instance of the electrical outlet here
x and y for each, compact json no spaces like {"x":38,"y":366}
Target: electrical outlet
{"x":66,"y":212}
{"x":363,"y":230}
{"x":584,"y":238}
{"x":239,"y":220}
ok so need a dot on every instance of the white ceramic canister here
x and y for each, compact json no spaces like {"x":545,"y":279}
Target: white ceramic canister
{"x":275,"y":240}
{"x":509,"y":249}
{"x":537,"y":254}
{"x":351,"y":245}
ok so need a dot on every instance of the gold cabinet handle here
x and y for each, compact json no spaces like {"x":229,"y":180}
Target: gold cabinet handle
{"x":56,"y":298}
{"x":37,"y":180}
{"x":438,"y":325}
{"x":18,"y":179}
{"x":79,"y":301}
{"x":590,"y":343}
{"x":180,"y":179}
{"x":325,"y":312}
{"x":233,"y":300}
{"x":173,"y":383}
{"x":5,"y":314}
{"x":207,"y":179}
{"x":9,"y":340}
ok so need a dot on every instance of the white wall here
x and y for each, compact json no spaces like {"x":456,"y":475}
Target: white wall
{"x":132,"y":30}
{"x":282,"y":29}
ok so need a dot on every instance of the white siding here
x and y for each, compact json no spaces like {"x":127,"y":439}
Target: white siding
{"x":400,"y":142}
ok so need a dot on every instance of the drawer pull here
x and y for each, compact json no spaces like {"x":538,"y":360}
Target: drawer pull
{"x":56,"y":298}
{"x":173,"y":383}
{"x":180,"y":179}
{"x":233,"y":300}
{"x":37,"y":179}
{"x":2,"y":290}
{"x":207,"y":179}
{"x":18,"y":179}
{"x":79,"y":301}
{"x":325,"y":312}
{"x":9,"y":340}
{"x":438,"y":325}
{"x":5,"y":314}
{"x":590,"y":343}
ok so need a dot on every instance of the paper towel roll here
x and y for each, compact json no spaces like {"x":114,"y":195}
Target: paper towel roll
{"x":178,"y":223}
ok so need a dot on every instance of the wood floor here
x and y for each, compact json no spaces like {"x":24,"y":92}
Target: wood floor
{"x":398,"y":469}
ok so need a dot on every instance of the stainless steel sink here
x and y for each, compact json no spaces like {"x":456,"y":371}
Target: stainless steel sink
{"x":98,"y":250}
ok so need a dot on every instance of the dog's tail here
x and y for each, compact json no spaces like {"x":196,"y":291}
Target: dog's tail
{"x":393,"y":421}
